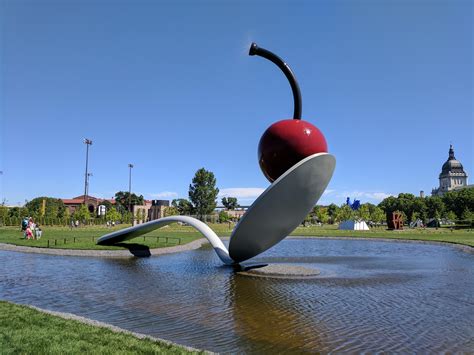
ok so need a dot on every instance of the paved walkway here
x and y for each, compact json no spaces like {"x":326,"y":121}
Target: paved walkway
{"x":103,"y":253}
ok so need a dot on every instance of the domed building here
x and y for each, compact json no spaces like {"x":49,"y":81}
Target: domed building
{"x":452,"y":175}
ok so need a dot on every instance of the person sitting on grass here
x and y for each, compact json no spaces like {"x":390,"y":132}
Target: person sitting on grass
{"x":28,"y":233}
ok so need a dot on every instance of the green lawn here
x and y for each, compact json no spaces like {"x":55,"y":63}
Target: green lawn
{"x":27,"y":331}
{"x":445,"y":234}
{"x":86,"y":237}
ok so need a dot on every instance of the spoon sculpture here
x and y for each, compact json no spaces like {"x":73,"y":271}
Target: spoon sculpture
{"x":293,"y":156}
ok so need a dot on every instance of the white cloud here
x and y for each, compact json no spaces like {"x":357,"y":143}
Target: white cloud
{"x":378,"y":196}
{"x":328,"y":191}
{"x":165,"y":194}
{"x":244,"y":193}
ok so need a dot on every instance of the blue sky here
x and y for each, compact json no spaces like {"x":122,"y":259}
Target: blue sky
{"x":169,"y":87}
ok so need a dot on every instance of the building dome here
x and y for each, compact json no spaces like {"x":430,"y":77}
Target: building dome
{"x":452,"y":165}
{"x":452,"y":177}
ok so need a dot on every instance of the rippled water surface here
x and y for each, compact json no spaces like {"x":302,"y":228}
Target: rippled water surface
{"x":370,"y":296}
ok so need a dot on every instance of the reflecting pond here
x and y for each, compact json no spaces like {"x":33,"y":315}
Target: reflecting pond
{"x":371,"y":295}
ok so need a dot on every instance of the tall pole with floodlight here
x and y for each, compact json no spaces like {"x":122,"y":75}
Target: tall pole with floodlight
{"x":87,"y":142}
{"x":130,"y":166}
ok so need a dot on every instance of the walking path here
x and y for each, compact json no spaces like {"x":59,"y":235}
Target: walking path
{"x":103,"y":253}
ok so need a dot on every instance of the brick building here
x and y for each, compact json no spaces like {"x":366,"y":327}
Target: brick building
{"x":92,"y":203}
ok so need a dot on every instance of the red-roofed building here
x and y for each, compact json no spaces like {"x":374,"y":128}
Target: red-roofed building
{"x":92,"y":202}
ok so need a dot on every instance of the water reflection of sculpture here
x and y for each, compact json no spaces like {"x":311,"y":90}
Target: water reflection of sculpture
{"x":293,"y":156}
{"x":290,"y":328}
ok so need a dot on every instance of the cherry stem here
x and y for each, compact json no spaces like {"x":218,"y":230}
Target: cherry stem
{"x":256,"y":50}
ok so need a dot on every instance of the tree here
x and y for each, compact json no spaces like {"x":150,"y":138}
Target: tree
{"x":344,"y":213}
{"x":3,"y":212}
{"x":332,"y":212}
{"x":108,"y":205}
{"x":230,"y":203}
{"x":183,"y":206}
{"x":14,"y":212}
{"x":451,"y":216}
{"x":121,"y":209}
{"x":126,"y":217}
{"x":122,"y":199}
{"x":371,"y":207}
{"x":458,"y":201}
{"x":434,"y":207}
{"x":467,"y":216}
{"x":363,"y":213}
{"x":377,"y":215}
{"x":203,"y":192}
{"x":307,"y":219}
{"x":67,"y":215}
{"x":389,"y":205}
{"x":25,"y":212}
{"x":82,"y":214}
{"x":406,"y":203}
{"x":171,"y":211}
{"x":223,"y":216}
{"x":419,"y":207}
{"x":54,"y":207}
{"x":112,"y":215}
{"x":416,"y":216}
{"x":322,"y":215}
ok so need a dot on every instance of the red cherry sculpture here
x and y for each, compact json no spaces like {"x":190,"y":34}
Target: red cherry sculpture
{"x":287,"y":142}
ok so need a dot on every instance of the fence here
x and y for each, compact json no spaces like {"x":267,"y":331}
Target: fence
{"x":50,"y":243}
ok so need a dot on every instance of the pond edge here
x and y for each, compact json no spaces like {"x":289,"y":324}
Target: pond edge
{"x":196,"y":244}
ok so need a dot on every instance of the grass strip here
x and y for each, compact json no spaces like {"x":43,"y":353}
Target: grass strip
{"x":26,"y":330}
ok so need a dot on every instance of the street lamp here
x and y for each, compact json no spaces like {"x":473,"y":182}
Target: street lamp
{"x":130,"y":166}
{"x":87,"y":142}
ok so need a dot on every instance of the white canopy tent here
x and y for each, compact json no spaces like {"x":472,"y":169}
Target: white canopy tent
{"x":353,"y":225}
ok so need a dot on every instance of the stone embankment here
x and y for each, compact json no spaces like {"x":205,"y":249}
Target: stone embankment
{"x":103,"y":253}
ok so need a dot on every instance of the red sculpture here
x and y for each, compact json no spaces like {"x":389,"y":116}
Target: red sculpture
{"x":397,"y":221}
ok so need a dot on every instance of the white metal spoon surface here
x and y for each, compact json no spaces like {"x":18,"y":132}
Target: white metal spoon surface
{"x":281,"y":207}
{"x":136,"y":231}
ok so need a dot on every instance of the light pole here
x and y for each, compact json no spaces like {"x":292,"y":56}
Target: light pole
{"x":87,"y":142}
{"x":88,"y":184}
{"x":130,"y":166}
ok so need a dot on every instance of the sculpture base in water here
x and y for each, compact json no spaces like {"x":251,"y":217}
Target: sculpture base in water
{"x":281,"y":271}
